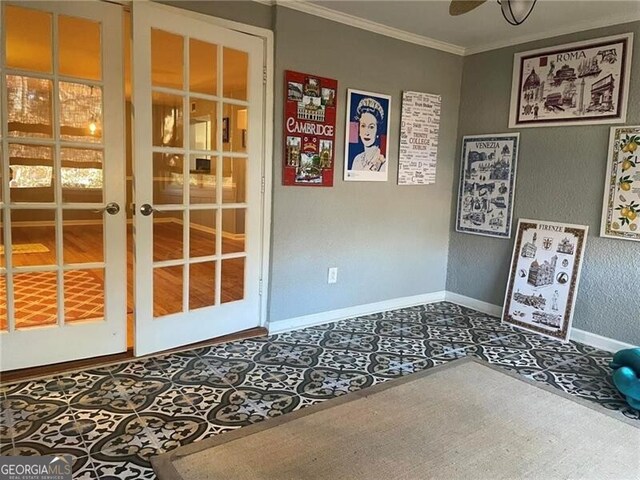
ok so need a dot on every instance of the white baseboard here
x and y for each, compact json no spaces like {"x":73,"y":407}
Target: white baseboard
{"x":577,"y":335}
{"x":280,"y":326}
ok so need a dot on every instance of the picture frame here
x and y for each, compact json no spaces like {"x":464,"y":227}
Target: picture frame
{"x":621,"y":202}
{"x":486,"y":190}
{"x":225,"y":130}
{"x":366,"y":156}
{"x":543,"y":277}
{"x":579,"y":83}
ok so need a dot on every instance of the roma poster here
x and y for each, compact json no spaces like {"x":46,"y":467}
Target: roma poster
{"x":309,"y":130}
{"x":579,"y":83}
{"x":621,"y":206}
{"x":487,"y":184}
{"x":419,"y":130}
{"x":366,"y":156}
{"x":543,"y":279}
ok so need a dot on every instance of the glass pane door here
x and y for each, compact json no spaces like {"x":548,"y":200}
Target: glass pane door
{"x":62,"y":247}
{"x":198,"y":171}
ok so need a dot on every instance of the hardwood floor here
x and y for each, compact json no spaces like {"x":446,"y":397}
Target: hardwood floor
{"x":85,"y":244}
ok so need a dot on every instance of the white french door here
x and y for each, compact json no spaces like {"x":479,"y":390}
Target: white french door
{"x":198,"y":168}
{"x":62,"y":233}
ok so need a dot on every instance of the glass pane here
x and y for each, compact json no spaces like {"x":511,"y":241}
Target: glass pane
{"x":80,"y":112}
{"x":202,"y":179}
{"x":30,"y":173}
{"x":234,"y":128}
{"x":203,"y":66}
{"x":28,"y":39}
{"x":82,"y":236}
{"x":166,"y":59}
{"x":167,"y":120}
{"x":2,"y":252}
{"x":33,"y":237}
{"x":168,"y":178}
{"x":202,"y":233}
{"x":83,"y":295}
{"x":233,"y":230}
{"x":234,"y":180}
{"x":167,"y":236}
{"x":4,"y":324}
{"x":203,"y":125}
{"x":167,"y":290}
{"x":36,"y":296}
{"x":232,"y":282}
{"x":79,"y":48}
{"x":202,"y":285}
{"x":235,"y":67}
{"x":29,"y":106}
{"x":81,"y":175}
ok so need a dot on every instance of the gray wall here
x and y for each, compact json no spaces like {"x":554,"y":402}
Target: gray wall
{"x":387,"y":241}
{"x":560,"y":178}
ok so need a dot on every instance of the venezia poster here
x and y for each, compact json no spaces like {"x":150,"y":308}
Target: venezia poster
{"x":575,"y":84}
{"x":487,"y":184}
{"x":621,"y":205}
{"x":543,"y":278}
{"x":419,"y":128}
{"x":309,"y":129}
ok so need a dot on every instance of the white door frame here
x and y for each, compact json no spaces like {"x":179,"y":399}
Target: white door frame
{"x":266,"y":37}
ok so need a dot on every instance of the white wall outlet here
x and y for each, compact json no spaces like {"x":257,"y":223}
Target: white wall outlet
{"x":333,"y":275}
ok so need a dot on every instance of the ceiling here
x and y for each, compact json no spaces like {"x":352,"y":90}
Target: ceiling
{"x":428,"y":22}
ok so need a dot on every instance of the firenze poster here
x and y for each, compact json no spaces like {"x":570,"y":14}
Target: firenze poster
{"x":309,"y":126}
{"x":544,"y":274}
{"x":579,"y":83}
{"x":419,"y":129}
{"x":487,"y":184}
{"x":621,"y":206}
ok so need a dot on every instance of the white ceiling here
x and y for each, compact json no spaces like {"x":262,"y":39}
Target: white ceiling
{"x":428,"y":21}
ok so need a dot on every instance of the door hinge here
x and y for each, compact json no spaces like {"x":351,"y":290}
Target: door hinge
{"x":260,"y":287}
{"x":262,"y":185}
{"x":264,"y":75}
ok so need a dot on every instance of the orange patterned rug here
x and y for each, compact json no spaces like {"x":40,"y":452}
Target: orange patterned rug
{"x":35,"y":298}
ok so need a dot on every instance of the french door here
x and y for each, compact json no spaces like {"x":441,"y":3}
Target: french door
{"x":62,"y":232}
{"x":198,"y":169}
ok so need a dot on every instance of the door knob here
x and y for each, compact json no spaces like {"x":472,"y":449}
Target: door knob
{"x":146,"y":210}
{"x":112,"y":208}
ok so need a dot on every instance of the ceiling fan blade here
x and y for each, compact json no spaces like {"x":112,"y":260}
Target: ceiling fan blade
{"x":458,"y":7}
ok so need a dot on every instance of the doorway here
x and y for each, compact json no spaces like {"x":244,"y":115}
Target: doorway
{"x":100,"y":253}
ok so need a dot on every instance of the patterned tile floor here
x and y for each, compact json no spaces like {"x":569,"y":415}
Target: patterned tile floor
{"x":112,"y":419}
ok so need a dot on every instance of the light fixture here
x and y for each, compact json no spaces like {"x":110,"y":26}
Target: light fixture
{"x":516,"y":11}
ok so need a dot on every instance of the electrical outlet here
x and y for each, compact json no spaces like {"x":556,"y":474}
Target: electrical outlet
{"x":333,"y":275}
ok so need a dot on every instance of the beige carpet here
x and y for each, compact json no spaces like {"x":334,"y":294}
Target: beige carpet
{"x":465,"y":420}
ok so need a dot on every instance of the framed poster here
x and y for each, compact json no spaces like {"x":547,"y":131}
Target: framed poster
{"x":575,"y":84}
{"x":419,"y":129}
{"x":621,"y":205}
{"x":487,"y":184}
{"x":543,"y":278}
{"x":366,"y":138}
{"x":309,"y":130}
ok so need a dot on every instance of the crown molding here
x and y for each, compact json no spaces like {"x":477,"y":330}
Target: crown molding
{"x":575,"y":28}
{"x":368,"y":25}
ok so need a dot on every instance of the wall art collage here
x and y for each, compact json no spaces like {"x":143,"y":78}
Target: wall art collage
{"x":543,"y":278}
{"x":310,"y":106}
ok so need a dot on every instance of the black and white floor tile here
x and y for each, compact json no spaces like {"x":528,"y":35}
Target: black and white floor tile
{"x":113,"y":419}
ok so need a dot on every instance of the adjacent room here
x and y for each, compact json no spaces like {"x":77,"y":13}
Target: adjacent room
{"x":264,"y":239}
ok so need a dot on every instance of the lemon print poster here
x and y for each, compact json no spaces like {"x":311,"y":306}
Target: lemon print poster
{"x":621,"y":206}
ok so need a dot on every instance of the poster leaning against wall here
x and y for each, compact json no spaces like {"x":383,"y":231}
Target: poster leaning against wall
{"x":621,"y":205}
{"x":543,"y":278}
{"x":487,"y":184}
{"x":579,"y":83}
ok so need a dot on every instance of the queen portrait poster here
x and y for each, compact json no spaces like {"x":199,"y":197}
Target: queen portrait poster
{"x":367,"y":136}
